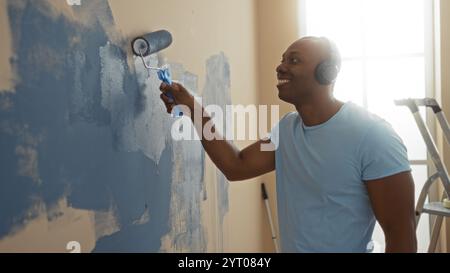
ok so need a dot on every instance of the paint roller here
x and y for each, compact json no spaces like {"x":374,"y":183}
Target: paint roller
{"x":151,"y":43}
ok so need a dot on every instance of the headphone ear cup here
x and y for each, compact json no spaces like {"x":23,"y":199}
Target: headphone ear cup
{"x":326,"y":72}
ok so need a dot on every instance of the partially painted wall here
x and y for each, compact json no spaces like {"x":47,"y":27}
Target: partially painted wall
{"x":86,"y":153}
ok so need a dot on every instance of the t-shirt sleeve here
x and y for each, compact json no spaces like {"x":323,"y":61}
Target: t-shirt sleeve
{"x":274,"y":134}
{"x":383,"y":153}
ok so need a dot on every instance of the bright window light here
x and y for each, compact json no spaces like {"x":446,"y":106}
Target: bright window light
{"x":383,"y":46}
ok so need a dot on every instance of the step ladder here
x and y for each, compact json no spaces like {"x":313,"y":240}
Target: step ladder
{"x":433,"y":208}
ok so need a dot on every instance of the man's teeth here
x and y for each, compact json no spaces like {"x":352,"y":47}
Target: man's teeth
{"x":282,"y":81}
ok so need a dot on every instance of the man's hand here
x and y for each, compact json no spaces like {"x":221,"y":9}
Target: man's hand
{"x":179,"y":93}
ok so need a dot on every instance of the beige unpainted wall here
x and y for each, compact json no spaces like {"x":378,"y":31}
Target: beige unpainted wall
{"x":6,"y":73}
{"x":443,"y":79}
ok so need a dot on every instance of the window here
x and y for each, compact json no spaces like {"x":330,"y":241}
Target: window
{"x":385,"y":46}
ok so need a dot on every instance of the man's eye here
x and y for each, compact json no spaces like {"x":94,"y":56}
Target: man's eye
{"x":291,"y":60}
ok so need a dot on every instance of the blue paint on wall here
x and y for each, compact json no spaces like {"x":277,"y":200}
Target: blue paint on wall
{"x":57,"y":140}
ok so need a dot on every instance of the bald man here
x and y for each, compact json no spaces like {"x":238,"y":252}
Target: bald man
{"x":339,"y":168}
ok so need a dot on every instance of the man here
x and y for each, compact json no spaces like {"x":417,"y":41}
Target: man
{"x":338,"y":167}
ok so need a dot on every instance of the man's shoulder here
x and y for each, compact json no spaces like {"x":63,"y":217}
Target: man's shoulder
{"x":353,"y":118}
{"x":373,"y":128}
{"x":360,"y":114}
{"x":361,"y":118}
{"x":289,"y":118}
{"x":362,"y":126}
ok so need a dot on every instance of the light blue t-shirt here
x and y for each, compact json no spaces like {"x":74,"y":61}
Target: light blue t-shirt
{"x":323,"y":203}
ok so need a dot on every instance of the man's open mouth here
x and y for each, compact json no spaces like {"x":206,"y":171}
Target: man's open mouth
{"x":282,"y":82}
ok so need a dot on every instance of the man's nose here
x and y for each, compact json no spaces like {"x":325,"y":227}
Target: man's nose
{"x":280,"y":69}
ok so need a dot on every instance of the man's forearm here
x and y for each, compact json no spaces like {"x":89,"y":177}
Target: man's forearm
{"x":223,"y":153}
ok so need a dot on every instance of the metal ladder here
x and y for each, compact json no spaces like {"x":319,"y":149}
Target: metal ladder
{"x":433,"y":208}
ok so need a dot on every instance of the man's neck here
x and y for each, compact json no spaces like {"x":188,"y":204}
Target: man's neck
{"x":319,"y":110}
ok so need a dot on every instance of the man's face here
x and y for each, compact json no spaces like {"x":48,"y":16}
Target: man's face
{"x":295,"y":74}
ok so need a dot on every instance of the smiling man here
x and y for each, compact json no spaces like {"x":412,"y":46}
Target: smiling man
{"x":339,"y":168}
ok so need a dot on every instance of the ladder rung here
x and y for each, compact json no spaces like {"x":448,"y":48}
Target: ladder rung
{"x":436,"y":208}
{"x":414,"y":103}
{"x":429,"y":102}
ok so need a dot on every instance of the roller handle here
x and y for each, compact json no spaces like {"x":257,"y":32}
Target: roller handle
{"x":264,"y":192}
{"x":164,"y":76}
